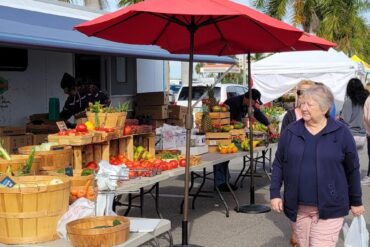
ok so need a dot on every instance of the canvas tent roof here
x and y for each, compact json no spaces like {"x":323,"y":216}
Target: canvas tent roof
{"x":279,"y":73}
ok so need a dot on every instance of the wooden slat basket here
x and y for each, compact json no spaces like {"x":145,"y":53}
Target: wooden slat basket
{"x":81,"y":232}
{"x":107,"y":120}
{"x":18,"y":161}
{"x":52,"y":160}
{"x":29,"y":212}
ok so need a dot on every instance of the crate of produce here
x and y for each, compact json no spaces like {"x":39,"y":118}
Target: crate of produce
{"x":107,"y":119}
{"x":213,"y":139}
{"x":71,"y":140}
{"x":18,"y":161}
{"x":31,"y":209}
{"x":98,"y":231}
{"x":54,"y":159}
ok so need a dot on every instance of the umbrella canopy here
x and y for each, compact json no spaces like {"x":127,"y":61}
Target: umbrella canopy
{"x":213,"y":27}
{"x":309,"y":42}
{"x":222,"y":27}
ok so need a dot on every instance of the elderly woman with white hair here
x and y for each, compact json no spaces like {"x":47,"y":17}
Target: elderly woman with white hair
{"x":318,"y":163}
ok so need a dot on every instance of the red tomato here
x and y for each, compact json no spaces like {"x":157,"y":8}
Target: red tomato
{"x":157,"y":163}
{"x":132,"y":174}
{"x":164,"y":166}
{"x":182,"y":162}
{"x":127,"y":130}
{"x":137,"y":164}
{"x":81,"y":128}
{"x":92,"y":165}
{"x":173,"y":164}
{"x":63,"y":133}
{"x":121,"y":157}
{"x":129,"y":164}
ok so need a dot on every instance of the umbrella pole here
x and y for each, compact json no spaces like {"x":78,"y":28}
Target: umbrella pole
{"x":188,"y":126}
{"x":252,"y":208}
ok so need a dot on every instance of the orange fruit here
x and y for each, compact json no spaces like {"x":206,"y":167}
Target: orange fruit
{"x":235,"y":149}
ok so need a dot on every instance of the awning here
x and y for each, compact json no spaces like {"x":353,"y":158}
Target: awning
{"x":31,"y":29}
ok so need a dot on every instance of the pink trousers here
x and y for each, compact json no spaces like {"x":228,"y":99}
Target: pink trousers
{"x":314,"y":232}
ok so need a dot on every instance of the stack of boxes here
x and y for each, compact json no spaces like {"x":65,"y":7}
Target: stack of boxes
{"x":156,"y":106}
{"x":176,"y":115}
{"x":12,"y":138}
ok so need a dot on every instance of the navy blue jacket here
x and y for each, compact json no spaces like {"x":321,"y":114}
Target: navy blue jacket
{"x":238,"y":110}
{"x":338,"y":176}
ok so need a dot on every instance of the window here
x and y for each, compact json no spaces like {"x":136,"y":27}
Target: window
{"x":231,"y":91}
{"x":87,"y":69}
{"x":13,"y":59}
{"x":121,"y":68}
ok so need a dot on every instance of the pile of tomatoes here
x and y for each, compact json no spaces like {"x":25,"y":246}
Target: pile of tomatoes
{"x":146,"y":168}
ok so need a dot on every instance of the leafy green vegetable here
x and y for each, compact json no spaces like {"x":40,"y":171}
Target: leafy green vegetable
{"x":86,"y":172}
{"x":116,"y":222}
{"x":3,"y":153}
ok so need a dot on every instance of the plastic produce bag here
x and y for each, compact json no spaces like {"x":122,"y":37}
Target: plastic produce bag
{"x":356,"y":235}
{"x":79,"y":209}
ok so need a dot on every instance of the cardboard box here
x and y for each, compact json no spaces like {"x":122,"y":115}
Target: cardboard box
{"x":154,"y":98}
{"x":39,"y":138}
{"x":195,"y":150}
{"x":12,"y":143}
{"x":157,"y":123}
{"x":12,"y":130}
{"x":177,"y":111}
{"x":156,"y":112}
{"x":176,"y":122}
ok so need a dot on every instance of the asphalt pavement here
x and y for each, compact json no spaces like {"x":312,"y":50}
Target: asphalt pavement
{"x":208,"y":225}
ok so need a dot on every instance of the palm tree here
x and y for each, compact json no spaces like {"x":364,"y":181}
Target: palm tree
{"x":123,"y":3}
{"x":335,"y":20}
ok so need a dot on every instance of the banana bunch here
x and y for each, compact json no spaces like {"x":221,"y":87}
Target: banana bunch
{"x":140,"y":153}
{"x":245,"y":144}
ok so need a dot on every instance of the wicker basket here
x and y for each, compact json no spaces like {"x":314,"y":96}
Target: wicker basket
{"x":52,"y":160}
{"x":29,"y":214}
{"x":82,"y":233}
{"x":18,"y":161}
{"x":107,"y":120}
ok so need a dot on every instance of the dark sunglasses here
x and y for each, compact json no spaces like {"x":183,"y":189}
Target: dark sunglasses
{"x":299,"y":92}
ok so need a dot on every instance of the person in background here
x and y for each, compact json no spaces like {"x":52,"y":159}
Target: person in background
{"x":318,"y":164}
{"x":352,"y":112}
{"x":79,"y":97}
{"x":366,"y":179}
{"x":295,"y":113}
{"x":238,"y":107}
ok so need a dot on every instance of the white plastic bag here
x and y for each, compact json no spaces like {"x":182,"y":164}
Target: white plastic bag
{"x":81,"y":208}
{"x":356,"y":235}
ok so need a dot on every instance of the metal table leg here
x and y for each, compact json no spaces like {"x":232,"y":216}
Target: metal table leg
{"x":241,"y":173}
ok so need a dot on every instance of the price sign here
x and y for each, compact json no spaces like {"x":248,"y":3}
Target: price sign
{"x":62,"y":126}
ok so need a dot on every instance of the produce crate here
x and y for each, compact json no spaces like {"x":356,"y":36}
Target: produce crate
{"x":12,"y":130}
{"x":238,"y":133}
{"x":58,"y":157}
{"x":82,"y":232}
{"x":71,"y":140}
{"x":213,"y":139}
{"x":18,"y":161}
{"x":107,"y":120}
{"x":30,"y":213}
{"x":218,"y":118}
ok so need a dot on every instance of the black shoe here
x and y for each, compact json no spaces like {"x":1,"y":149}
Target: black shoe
{"x":225,"y":188}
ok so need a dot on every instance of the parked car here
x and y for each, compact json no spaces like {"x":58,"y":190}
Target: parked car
{"x":222,"y":93}
{"x":174,"y":89}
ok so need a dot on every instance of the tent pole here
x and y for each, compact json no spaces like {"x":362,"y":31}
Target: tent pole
{"x":252,"y":208}
{"x":188,"y":125}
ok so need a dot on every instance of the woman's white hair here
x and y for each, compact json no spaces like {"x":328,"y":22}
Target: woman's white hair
{"x":322,"y":95}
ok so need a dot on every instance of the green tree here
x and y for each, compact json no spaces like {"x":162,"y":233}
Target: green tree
{"x":123,"y":3}
{"x":337,"y":20}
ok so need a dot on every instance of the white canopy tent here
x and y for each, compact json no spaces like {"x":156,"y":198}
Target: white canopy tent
{"x":279,"y":73}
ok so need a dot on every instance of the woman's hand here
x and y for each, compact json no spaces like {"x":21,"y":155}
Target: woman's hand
{"x":277,"y":205}
{"x":357,"y":210}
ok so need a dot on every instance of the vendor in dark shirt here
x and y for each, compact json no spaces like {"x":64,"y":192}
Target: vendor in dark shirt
{"x":238,"y":107}
{"x":79,"y":97}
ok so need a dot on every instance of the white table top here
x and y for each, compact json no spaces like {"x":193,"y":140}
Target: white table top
{"x":135,"y":239}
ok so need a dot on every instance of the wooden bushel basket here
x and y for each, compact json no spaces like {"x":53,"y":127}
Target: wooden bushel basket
{"x":81,"y":232}
{"x":30,"y":213}
{"x":108,"y":119}
{"x":18,"y":161}
{"x":52,"y":160}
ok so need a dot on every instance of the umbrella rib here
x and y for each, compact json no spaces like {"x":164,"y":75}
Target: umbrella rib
{"x":115,"y":24}
{"x":169,"y":18}
{"x":161,"y":33}
{"x":212,"y":20}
